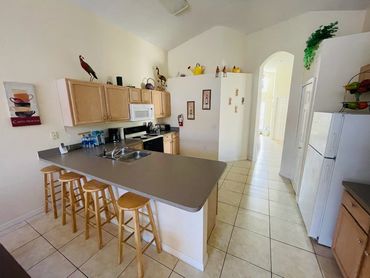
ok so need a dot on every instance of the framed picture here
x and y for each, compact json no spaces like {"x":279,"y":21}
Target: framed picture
{"x":206,"y":100}
{"x":191,"y":110}
{"x":21,"y":98}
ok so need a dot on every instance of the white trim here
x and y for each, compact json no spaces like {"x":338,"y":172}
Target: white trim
{"x":20,"y":218}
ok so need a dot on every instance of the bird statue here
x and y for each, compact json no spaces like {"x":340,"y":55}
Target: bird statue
{"x":161,"y":78}
{"x":217,"y":72}
{"x":224,"y":72}
{"x":87,"y":68}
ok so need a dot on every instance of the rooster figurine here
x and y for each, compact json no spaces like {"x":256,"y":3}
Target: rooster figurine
{"x":87,"y":68}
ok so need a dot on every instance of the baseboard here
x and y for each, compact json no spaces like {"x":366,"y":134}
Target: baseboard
{"x":20,"y":218}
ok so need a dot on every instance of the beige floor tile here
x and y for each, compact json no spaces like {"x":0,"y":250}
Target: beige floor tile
{"x":152,"y":269}
{"x":212,"y":270}
{"x":242,"y":164}
{"x":236,"y":177}
{"x":60,"y":235}
{"x":292,"y":262}
{"x":259,"y":175}
{"x":233,"y":186}
{"x":164,"y":258}
{"x":256,"y":191}
{"x":14,"y":239}
{"x":255,"y":204}
{"x":33,"y":252}
{"x":226,"y":213}
{"x":53,"y":266}
{"x":280,"y":186}
{"x":329,"y":267}
{"x":104,"y":263}
{"x":175,"y":275}
{"x":238,"y":170}
{"x":77,"y":274}
{"x":253,"y":221}
{"x":322,"y":250}
{"x":258,"y":182}
{"x":229,"y":197}
{"x":79,"y":250}
{"x":44,"y":222}
{"x":290,"y":233}
{"x":286,"y":213}
{"x":251,"y":247}
{"x":220,"y":235}
{"x":281,"y":197}
{"x":237,"y":268}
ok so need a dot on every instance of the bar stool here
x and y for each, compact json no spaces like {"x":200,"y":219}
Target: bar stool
{"x":72,"y":196}
{"x":92,"y":189}
{"x":50,"y":186}
{"x":132,"y":202}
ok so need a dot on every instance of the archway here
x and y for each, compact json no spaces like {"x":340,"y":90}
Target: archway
{"x":274,"y":84}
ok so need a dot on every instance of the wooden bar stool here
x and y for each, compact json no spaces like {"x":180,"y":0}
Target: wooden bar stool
{"x":132,"y":202}
{"x":92,"y":189}
{"x":50,"y":186}
{"x":72,"y":196}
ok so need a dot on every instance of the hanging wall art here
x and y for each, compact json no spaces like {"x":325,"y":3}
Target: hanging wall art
{"x":206,"y":100}
{"x":190,"y":110}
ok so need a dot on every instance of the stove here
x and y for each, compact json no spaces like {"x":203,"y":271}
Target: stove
{"x":151,"y":141}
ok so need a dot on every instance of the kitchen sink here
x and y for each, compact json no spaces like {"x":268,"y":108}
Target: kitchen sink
{"x":124,"y":154}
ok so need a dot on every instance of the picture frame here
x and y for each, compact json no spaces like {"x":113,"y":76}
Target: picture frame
{"x":22,"y":103}
{"x":190,"y":111}
{"x":206,"y":99}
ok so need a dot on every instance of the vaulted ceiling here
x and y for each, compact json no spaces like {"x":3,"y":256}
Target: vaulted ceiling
{"x":151,"y":21}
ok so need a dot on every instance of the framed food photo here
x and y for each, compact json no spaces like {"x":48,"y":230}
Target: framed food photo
{"x":21,"y":98}
{"x":206,"y":100}
{"x":191,"y":110}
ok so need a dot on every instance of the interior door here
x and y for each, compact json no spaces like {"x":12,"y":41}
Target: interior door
{"x":304,"y":120}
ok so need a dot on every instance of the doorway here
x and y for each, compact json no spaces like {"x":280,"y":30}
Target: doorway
{"x":272,"y":102}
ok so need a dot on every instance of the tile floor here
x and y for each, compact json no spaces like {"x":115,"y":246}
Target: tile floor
{"x":259,"y":233}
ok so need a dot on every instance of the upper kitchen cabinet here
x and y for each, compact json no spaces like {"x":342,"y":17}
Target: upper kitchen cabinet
{"x":162,"y":104}
{"x":117,"y":103}
{"x":146,"y":96}
{"x":135,"y":95}
{"x":81,"y":102}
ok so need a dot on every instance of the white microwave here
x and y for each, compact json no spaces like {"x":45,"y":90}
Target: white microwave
{"x":141,"y":112}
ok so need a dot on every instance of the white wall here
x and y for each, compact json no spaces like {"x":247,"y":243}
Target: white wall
{"x":290,"y":36}
{"x":217,"y":46}
{"x":199,"y":137}
{"x":41,"y":41}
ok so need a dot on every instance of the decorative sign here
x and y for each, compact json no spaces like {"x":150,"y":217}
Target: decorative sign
{"x":22,"y":104}
{"x":206,"y":100}
{"x":191,"y":110}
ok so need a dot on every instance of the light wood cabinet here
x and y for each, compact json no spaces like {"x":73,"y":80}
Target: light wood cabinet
{"x":350,"y":246}
{"x":162,"y":104}
{"x":117,"y":103}
{"x":171,"y":143}
{"x":135,"y":95}
{"x":146,"y":96}
{"x":81,"y":102}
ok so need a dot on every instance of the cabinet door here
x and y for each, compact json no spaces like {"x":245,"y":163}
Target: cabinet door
{"x":146,"y":96}
{"x":175,"y":144}
{"x":135,"y":95}
{"x":349,"y":244}
{"x":87,"y":102}
{"x":166,"y":103}
{"x":117,"y":101}
{"x":157,"y":101}
{"x":167,"y":143}
{"x":365,"y":268}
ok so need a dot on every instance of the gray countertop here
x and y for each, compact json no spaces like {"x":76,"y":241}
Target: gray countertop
{"x":183,"y":182}
{"x":360,"y":192}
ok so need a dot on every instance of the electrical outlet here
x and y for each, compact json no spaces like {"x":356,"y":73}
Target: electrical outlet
{"x":54,"y":135}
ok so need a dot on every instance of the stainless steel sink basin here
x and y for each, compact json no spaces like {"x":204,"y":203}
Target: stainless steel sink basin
{"x":124,"y":154}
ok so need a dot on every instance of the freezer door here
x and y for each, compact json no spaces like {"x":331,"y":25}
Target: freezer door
{"x":325,"y":133}
{"x":315,"y":186}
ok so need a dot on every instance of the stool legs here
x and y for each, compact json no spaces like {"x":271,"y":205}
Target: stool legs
{"x":49,"y":191}
{"x":64,"y":204}
{"x":52,"y":193}
{"x":138,"y":244}
{"x":98,"y":219}
{"x":154,"y":228}
{"x":46,"y":192}
{"x":121,"y":245}
{"x":72,"y":202}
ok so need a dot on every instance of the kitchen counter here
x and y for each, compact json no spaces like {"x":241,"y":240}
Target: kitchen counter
{"x":360,"y":192}
{"x":183,"y":182}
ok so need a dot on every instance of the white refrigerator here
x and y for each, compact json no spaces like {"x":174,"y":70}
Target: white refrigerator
{"x":339,"y":149}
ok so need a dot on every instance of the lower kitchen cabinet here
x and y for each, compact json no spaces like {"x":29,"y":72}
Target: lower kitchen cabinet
{"x":350,"y":245}
{"x":171,"y":143}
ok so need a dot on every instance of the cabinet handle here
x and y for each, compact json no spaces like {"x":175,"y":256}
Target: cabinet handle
{"x":353,"y":205}
{"x":366,"y":253}
{"x":359,"y":241}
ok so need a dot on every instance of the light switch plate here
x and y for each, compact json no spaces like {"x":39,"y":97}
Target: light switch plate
{"x":54,"y":135}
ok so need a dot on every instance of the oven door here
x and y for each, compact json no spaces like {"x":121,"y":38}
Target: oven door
{"x":155,"y":144}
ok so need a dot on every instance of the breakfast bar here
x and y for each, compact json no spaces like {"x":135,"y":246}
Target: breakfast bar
{"x":183,"y":192}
